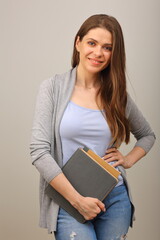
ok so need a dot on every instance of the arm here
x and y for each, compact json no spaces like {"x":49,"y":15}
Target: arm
{"x":143,"y":133}
{"x":40,"y":146}
{"x":87,"y":206}
{"x":127,"y":161}
{"x":42,"y":159}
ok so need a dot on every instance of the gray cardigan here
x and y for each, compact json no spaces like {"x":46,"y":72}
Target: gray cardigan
{"x":45,"y":147}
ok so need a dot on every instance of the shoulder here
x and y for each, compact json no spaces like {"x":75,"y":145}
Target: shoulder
{"x":134,"y":114}
{"x":130,"y":106}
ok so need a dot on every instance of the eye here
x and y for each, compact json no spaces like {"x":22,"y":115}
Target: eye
{"x":91,"y":43}
{"x":108,"y":48}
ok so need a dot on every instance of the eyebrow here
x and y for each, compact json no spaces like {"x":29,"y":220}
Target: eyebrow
{"x":110,"y":44}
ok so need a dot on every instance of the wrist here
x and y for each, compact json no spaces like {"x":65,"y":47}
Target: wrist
{"x":75,"y":199}
{"x":134,"y":156}
{"x":128,"y":162}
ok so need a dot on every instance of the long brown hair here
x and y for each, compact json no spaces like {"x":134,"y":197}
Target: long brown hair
{"x":112,"y":90}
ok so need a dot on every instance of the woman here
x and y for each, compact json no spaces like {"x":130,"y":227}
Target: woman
{"x":89,"y":105}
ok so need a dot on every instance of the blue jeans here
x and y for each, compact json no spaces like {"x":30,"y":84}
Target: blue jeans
{"x":110,"y":225}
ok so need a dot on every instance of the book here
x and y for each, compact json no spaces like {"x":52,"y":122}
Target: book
{"x":90,"y":175}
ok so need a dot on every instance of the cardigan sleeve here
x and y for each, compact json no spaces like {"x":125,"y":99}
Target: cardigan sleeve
{"x":139,"y":126}
{"x":40,"y":146}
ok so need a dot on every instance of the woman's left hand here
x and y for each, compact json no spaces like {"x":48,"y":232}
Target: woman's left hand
{"x":114,"y":155}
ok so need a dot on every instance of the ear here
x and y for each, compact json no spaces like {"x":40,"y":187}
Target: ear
{"x":77,"y":43}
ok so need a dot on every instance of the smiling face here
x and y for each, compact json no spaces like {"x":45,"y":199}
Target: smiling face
{"x":95,"y":50}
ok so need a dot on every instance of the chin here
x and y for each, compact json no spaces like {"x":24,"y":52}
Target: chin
{"x":94,"y":70}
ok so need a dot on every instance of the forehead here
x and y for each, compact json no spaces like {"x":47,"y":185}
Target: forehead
{"x":100,"y":35}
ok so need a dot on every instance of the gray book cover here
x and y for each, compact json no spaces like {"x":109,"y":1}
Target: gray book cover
{"x":88,"y":177}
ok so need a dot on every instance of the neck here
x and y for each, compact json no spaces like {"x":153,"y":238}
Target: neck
{"x":86,"y":79}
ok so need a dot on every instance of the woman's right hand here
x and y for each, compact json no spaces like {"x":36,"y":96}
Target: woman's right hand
{"x":89,"y":207}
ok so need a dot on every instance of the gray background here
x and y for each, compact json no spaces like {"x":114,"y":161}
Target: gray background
{"x":35,"y":43}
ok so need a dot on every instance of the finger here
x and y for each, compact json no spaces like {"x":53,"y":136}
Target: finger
{"x":118,"y":163}
{"x":111,"y":150}
{"x":101,"y":206}
{"x":89,"y":217}
{"x":112,"y":159}
{"x":110,"y":155}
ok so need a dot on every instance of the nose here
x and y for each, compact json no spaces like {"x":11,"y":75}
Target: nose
{"x":98,"y":51}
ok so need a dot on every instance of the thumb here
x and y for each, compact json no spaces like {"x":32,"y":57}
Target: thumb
{"x":101,"y":206}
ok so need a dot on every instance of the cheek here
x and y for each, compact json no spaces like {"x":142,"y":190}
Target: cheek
{"x":108,"y":56}
{"x":85,"y":50}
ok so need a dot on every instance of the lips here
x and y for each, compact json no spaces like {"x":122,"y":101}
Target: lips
{"x":95,"y":61}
